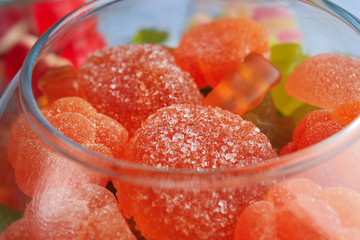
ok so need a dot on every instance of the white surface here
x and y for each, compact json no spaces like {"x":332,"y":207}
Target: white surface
{"x":353,"y":6}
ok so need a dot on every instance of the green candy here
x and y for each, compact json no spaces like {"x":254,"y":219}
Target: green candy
{"x":286,"y":57}
{"x":8,"y":216}
{"x":149,"y":35}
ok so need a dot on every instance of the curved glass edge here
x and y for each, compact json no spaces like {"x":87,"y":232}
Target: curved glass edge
{"x":121,"y":169}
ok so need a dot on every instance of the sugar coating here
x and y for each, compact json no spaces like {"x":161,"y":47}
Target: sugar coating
{"x":291,"y":189}
{"x":346,"y":112}
{"x":326,"y":80}
{"x":347,"y":233}
{"x":319,"y":132}
{"x":198,"y":137}
{"x":128,"y":83}
{"x":258,"y":221}
{"x":208,"y":51}
{"x":307,"y":219}
{"x":17,"y":230}
{"x":64,"y":214}
{"x":346,"y":202}
{"x":38,"y":167}
{"x":192,"y":137}
{"x":288,"y":148}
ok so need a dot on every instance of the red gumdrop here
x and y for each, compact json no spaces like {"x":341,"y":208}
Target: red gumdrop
{"x":319,"y":132}
{"x":192,"y":137}
{"x":346,"y":203}
{"x":288,"y":148}
{"x":47,"y":13}
{"x":291,"y":189}
{"x":309,"y":120}
{"x":347,"y":234}
{"x":17,"y":230}
{"x":258,"y":221}
{"x":307,"y":219}
{"x":209,"y":51}
{"x":135,"y":81}
{"x":326,"y":80}
{"x":245,"y":86}
{"x":346,"y":112}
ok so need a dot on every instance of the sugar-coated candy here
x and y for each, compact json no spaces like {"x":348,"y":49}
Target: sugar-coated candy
{"x":347,"y":234}
{"x":38,"y":168}
{"x":319,"y":132}
{"x":128,"y":83}
{"x":162,"y":141}
{"x":195,"y":137}
{"x":278,"y":129}
{"x":346,"y":112}
{"x":291,"y":189}
{"x":60,"y":82}
{"x":17,"y":230}
{"x":209,"y":51}
{"x":307,"y":219}
{"x":285,"y":57}
{"x":79,"y":214}
{"x":326,"y":80}
{"x":346,"y":202}
{"x":309,"y":120}
{"x":258,"y":221}
{"x":290,"y":147}
{"x":301,"y":111}
{"x":244,"y":87}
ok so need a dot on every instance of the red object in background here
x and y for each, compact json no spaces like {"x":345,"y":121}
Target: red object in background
{"x":47,"y":13}
{"x":13,"y":26}
{"x":15,"y":57}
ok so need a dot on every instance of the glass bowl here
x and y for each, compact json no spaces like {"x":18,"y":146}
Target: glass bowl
{"x":61,"y":185}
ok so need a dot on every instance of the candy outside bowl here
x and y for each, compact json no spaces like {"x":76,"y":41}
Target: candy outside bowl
{"x":71,"y":170}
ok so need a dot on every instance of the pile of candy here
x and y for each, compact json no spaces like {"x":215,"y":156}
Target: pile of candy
{"x":143,"y":103}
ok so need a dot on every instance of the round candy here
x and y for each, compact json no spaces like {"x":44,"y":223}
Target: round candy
{"x":326,"y":80}
{"x":347,"y":112}
{"x":128,"y":83}
{"x":209,"y":51}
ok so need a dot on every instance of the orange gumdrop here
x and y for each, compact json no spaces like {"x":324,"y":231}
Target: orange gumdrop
{"x":291,"y":189}
{"x":245,"y":86}
{"x":258,"y":221}
{"x":326,"y":80}
{"x":346,"y":203}
{"x":209,"y":51}
{"x":307,"y":219}
{"x":347,"y":112}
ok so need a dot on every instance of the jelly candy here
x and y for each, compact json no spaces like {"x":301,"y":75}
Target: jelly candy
{"x":288,"y":148}
{"x":319,"y":132}
{"x":183,"y":136}
{"x":149,"y":35}
{"x":63,"y":214}
{"x":209,"y":51}
{"x":7,"y":216}
{"x":258,"y":221}
{"x":325,"y":80}
{"x":301,"y":111}
{"x":47,"y":13}
{"x":307,"y":219}
{"x":346,"y":112}
{"x":244,"y":87}
{"x":346,"y":202}
{"x":130,"y":82}
{"x":38,"y":168}
{"x":279,"y":130}
{"x":347,"y":233}
{"x":60,"y":82}
{"x":291,"y":189}
{"x":18,"y":230}
{"x":285,"y":57}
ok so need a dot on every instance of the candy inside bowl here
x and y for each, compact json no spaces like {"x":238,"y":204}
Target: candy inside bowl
{"x":198,"y":120}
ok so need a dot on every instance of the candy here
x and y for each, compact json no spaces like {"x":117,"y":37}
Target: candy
{"x":149,"y":35}
{"x":326,"y":80}
{"x":183,"y":136}
{"x":346,"y":202}
{"x":209,"y":51}
{"x":128,"y":83}
{"x":278,"y":129}
{"x":346,"y":112}
{"x":7,"y":216}
{"x":285,"y":57}
{"x":18,"y":230}
{"x":38,"y":168}
{"x":307,"y":218}
{"x":258,"y":221}
{"x":301,"y":111}
{"x":346,"y":234}
{"x":244,"y":87}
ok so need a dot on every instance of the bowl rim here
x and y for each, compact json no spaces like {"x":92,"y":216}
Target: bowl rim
{"x":285,"y":165}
